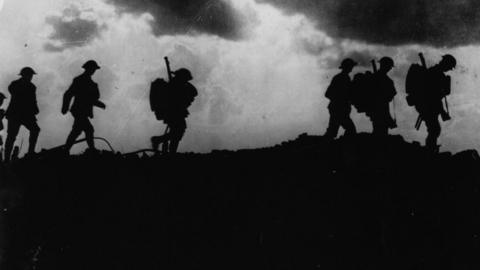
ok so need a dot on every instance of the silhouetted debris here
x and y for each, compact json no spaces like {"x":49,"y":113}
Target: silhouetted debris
{"x":308,"y":203}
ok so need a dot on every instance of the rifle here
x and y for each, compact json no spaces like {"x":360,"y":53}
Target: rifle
{"x":422,"y":60}
{"x":169,"y":71}
{"x":374,"y":66}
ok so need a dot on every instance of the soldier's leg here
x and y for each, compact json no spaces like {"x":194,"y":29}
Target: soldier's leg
{"x":333,"y":125}
{"x":76,"y":131}
{"x":162,"y":139}
{"x":12,"y":132}
{"x":88,"y":128}
{"x":34,"y":129}
{"x":177,"y":130}
{"x":433,"y":129}
{"x":349,"y":126}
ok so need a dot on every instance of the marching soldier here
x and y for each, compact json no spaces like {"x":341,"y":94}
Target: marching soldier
{"x":2,"y":115}
{"x":22,"y":111}
{"x":430,"y":105}
{"x":181,"y":95}
{"x":382,"y":94}
{"x":85,"y":94}
{"x":339,"y":94}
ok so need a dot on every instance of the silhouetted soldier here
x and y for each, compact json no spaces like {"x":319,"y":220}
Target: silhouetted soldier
{"x":86,"y":95}
{"x":430,"y":105}
{"x":382,"y":94}
{"x":182,"y":93}
{"x":22,"y":110}
{"x":2,"y":115}
{"x":339,"y":94}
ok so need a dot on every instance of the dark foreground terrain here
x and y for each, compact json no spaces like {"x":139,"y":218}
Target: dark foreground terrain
{"x":306,"y":204}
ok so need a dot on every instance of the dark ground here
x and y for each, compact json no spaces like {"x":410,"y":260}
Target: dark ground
{"x":305,"y":204}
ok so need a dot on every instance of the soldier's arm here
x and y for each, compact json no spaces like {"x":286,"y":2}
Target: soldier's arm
{"x":96,"y":97}
{"x":35,"y":103}
{"x":193,"y":93}
{"x":392,"y":91}
{"x":100,"y":104}
{"x":67,"y":98}
{"x":11,"y":88}
{"x":331,"y":89}
{"x":447,"y":85}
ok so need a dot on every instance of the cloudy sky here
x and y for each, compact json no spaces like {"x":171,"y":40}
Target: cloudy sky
{"x":261,"y":66}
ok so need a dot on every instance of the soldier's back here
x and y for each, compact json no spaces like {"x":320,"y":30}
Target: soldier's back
{"x":384,"y":88}
{"x":85,"y":92}
{"x":23,"y":100}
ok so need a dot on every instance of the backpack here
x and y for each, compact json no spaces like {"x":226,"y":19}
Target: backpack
{"x":362,"y":83}
{"x":415,"y":84}
{"x":159,"y":98}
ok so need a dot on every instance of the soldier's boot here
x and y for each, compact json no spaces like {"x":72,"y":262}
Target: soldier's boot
{"x":92,"y":151}
{"x":32,"y":142}
{"x":433,"y":149}
{"x":156,"y":141}
{"x":431,"y":146}
{"x":8,"y":148}
{"x":29,"y":155}
{"x":173,"y":146}
{"x":90,"y":139}
{"x":330,"y":134}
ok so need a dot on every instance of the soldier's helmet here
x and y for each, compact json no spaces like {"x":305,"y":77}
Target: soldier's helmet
{"x":183,"y":73}
{"x":90,"y":65}
{"x":27,"y":71}
{"x":347,"y":63}
{"x":449,"y":61}
{"x":386,"y":61}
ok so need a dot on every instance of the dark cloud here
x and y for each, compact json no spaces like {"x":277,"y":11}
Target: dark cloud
{"x":71,"y":30}
{"x":439,"y":23}
{"x":214,"y":17}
